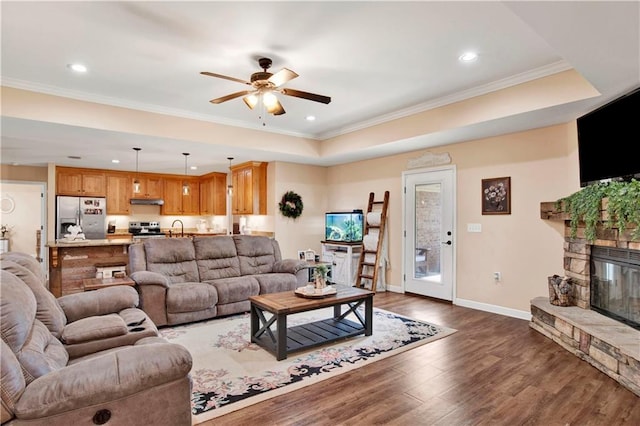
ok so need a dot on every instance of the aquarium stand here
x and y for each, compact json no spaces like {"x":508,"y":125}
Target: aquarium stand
{"x":344,"y":257}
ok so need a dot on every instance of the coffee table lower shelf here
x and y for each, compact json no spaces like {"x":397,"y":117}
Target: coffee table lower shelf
{"x":313,"y":334}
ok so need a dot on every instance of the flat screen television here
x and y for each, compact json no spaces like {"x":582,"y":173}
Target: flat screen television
{"x":343,"y":226}
{"x":606,"y":138}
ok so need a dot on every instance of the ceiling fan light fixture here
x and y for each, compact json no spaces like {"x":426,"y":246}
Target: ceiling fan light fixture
{"x":264,"y":84}
{"x":251,"y":101}
{"x":269,"y":100}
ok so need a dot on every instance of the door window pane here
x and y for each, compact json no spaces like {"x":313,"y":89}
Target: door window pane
{"x":428,"y":229}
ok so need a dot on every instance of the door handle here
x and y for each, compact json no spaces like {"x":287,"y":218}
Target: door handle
{"x":447,"y":242}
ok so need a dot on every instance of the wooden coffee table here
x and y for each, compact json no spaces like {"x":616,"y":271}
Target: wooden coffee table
{"x":283,"y":340}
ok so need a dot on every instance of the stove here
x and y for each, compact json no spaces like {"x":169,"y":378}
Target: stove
{"x":141,"y":230}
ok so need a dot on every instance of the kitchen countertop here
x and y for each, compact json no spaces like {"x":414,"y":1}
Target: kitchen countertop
{"x":90,"y":243}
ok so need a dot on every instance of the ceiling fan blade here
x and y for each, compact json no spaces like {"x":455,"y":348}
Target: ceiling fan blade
{"x":306,"y":95}
{"x":231,"y":96}
{"x":276,"y":108}
{"x":210,"y":74}
{"x":282,"y":76}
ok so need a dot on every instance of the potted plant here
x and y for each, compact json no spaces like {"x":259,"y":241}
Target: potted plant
{"x":320,"y":275}
{"x":620,"y":201}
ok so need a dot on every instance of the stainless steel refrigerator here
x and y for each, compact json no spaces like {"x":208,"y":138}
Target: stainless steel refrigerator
{"x":88,"y":212}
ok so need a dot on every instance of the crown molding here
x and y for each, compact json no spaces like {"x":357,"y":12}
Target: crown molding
{"x":504,"y":83}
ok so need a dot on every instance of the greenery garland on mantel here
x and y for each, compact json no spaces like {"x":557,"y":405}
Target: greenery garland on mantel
{"x":291,"y":205}
{"x":622,"y":207}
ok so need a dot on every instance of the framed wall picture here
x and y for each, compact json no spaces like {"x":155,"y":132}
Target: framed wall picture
{"x":496,"y":195}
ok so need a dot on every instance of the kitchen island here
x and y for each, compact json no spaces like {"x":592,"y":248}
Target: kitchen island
{"x":72,"y":262}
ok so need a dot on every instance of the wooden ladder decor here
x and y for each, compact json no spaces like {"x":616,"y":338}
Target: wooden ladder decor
{"x":365,"y":262}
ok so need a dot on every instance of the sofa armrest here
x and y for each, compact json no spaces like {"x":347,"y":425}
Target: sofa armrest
{"x":104,"y":301}
{"x":150,"y":278}
{"x":103,"y":379}
{"x":291,"y":266}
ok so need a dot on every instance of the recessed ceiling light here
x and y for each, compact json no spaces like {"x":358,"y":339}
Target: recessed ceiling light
{"x":468,"y":57}
{"x":115,"y":161}
{"x":310,"y":117}
{"x":77,"y":67}
{"x":194,"y":167}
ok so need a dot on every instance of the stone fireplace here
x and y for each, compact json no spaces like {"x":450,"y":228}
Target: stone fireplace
{"x":598,"y":334}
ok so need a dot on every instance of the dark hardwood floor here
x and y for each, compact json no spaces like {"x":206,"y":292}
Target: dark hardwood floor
{"x":494,"y":370}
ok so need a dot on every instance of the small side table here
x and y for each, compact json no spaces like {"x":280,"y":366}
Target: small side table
{"x":96,"y":283}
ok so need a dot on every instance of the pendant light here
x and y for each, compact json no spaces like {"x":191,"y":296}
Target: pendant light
{"x":136,"y":181}
{"x":230,"y":186}
{"x":185,"y":186}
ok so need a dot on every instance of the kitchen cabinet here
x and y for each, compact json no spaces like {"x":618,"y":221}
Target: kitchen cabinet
{"x":213,"y":194}
{"x":80,"y":182}
{"x":151,"y":187}
{"x":175,"y":203}
{"x":119,"y":191}
{"x":249,"y":182}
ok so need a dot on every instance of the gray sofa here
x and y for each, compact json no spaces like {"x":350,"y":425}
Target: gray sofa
{"x":145,"y":382}
{"x":182,"y":280}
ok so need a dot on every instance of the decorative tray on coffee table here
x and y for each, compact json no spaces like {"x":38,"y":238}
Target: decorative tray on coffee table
{"x":317,"y":293}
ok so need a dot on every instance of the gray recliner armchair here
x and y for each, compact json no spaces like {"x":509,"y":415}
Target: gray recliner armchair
{"x":84,"y":322}
{"x":141,"y":384}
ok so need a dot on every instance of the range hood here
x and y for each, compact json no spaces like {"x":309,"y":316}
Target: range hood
{"x":147,"y":201}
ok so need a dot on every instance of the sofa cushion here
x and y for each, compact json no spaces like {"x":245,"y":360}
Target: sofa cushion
{"x":236,"y":289}
{"x":216,"y":257}
{"x":37,"y":350}
{"x":276,"y":282}
{"x":174,"y":258}
{"x":192,"y":296}
{"x":256,"y":254}
{"x":48,"y":311}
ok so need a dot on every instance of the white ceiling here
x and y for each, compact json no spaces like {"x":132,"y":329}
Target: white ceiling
{"x":377,"y":61}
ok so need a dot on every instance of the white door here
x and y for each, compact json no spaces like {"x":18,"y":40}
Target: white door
{"x":429,"y":221}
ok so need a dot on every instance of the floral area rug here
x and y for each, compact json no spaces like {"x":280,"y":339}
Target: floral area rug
{"x":229,"y":372}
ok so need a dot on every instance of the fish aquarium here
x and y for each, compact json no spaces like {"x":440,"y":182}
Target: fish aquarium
{"x":344,"y":226}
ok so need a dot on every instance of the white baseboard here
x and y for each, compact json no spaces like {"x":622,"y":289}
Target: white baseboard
{"x":495,"y":309}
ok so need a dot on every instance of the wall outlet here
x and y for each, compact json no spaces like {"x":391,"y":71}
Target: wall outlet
{"x":497,"y":276}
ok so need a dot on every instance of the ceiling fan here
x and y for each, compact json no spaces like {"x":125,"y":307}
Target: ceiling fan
{"x":264,"y":84}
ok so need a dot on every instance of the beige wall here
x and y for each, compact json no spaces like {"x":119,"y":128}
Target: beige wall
{"x":26,"y":218}
{"x":542,"y":164}
{"x":10,"y":173}
{"x":23,"y":173}
{"x":310,"y":183}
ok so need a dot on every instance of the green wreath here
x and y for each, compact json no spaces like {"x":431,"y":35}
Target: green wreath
{"x":291,"y":205}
